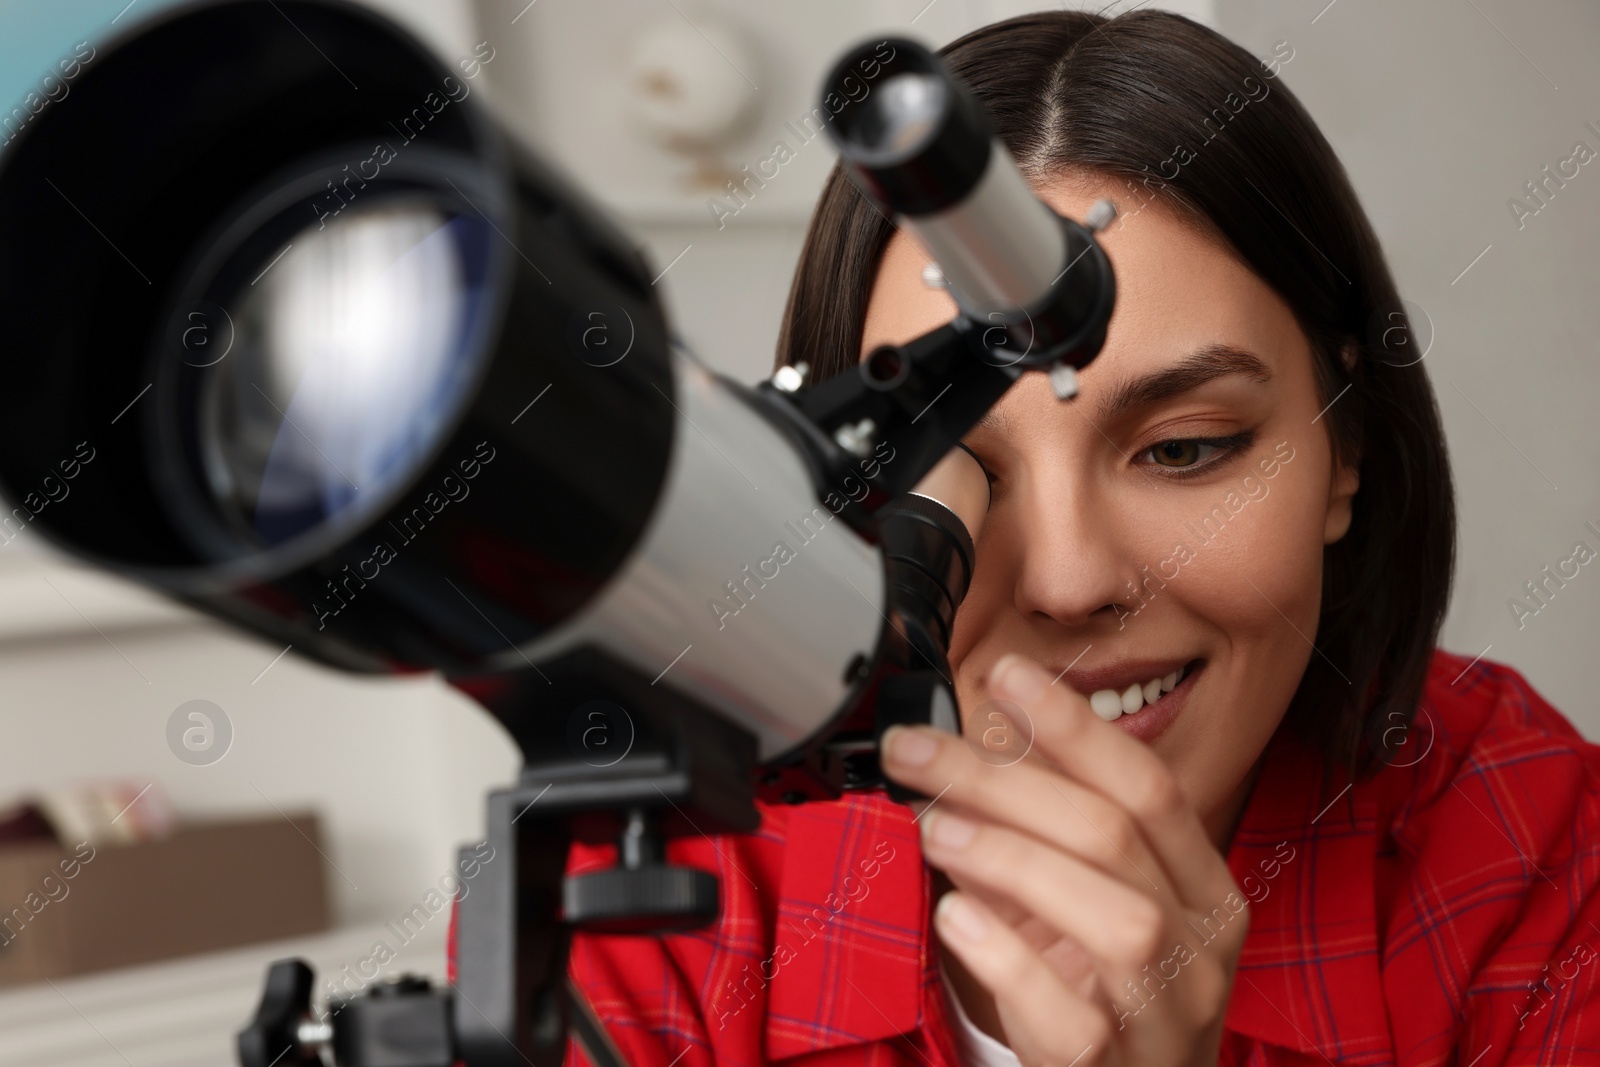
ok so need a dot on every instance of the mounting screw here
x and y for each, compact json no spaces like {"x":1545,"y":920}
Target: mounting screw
{"x":791,"y":378}
{"x":857,"y":439}
{"x":1100,"y":216}
{"x":1064,"y":379}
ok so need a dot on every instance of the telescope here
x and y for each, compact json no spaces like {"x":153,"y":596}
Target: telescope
{"x":361,"y":374}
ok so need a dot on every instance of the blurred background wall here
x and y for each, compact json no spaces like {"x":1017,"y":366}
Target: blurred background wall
{"x":1441,"y":112}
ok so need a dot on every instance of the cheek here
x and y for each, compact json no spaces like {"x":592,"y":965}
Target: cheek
{"x":1259,"y":586}
{"x":1260,"y":578}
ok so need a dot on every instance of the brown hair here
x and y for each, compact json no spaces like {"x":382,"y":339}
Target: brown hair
{"x":1070,"y":91}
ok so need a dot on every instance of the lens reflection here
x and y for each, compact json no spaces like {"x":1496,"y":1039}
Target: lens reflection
{"x":906,"y":110}
{"x":352,"y":347}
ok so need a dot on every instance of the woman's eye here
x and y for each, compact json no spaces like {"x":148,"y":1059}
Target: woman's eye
{"x":1195,"y":453}
{"x":1180,"y":453}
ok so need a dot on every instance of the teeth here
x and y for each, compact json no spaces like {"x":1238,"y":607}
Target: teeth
{"x":1106,"y":704}
{"x":1110,"y":704}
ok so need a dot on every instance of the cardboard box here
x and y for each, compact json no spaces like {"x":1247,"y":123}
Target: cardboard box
{"x":208,"y":886}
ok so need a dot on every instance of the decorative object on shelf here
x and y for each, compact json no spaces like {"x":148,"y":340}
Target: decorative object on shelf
{"x":112,"y":812}
{"x":689,"y":87}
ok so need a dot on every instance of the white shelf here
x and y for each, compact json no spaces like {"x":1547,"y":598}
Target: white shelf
{"x":50,"y":597}
{"x":179,"y":1013}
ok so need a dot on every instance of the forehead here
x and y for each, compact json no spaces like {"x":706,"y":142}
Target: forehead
{"x":1178,"y":288}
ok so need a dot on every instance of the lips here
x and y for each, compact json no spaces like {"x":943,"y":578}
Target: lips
{"x":1112,"y":703}
{"x":1142,"y":697}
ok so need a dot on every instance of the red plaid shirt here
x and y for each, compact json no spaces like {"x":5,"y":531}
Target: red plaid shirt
{"x":1452,"y":921}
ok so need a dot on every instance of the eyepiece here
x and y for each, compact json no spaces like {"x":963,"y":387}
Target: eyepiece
{"x":915,"y":137}
{"x":919,"y":144}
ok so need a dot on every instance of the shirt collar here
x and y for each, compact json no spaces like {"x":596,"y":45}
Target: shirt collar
{"x":851,"y":955}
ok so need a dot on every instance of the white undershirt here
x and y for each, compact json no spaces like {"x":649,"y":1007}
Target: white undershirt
{"x":977,"y":1048}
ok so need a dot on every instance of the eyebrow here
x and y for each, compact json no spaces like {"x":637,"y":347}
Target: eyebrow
{"x":992,"y":420}
{"x":1204,"y":364}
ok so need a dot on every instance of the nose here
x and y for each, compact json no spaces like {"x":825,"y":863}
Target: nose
{"x":1071,"y":565}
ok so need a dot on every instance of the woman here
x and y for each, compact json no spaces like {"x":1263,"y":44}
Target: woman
{"x":1260,"y":819}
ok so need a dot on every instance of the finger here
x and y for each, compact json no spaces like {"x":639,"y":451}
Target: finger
{"x":1044,"y":1020}
{"x":1123,"y":929}
{"x":1035,"y":799}
{"x":1172,"y":977}
{"x":1068,"y":957}
{"x":1121,"y":768}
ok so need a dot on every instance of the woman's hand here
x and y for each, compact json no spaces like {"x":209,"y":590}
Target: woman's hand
{"x":1090,"y":901}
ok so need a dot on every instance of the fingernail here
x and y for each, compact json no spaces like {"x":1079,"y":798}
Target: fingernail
{"x":961,"y":919}
{"x":1015,"y":677}
{"x":910,"y":747}
{"x":948,"y":831}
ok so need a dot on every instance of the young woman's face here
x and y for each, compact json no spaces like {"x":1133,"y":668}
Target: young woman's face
{"x":1171,"y":518}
